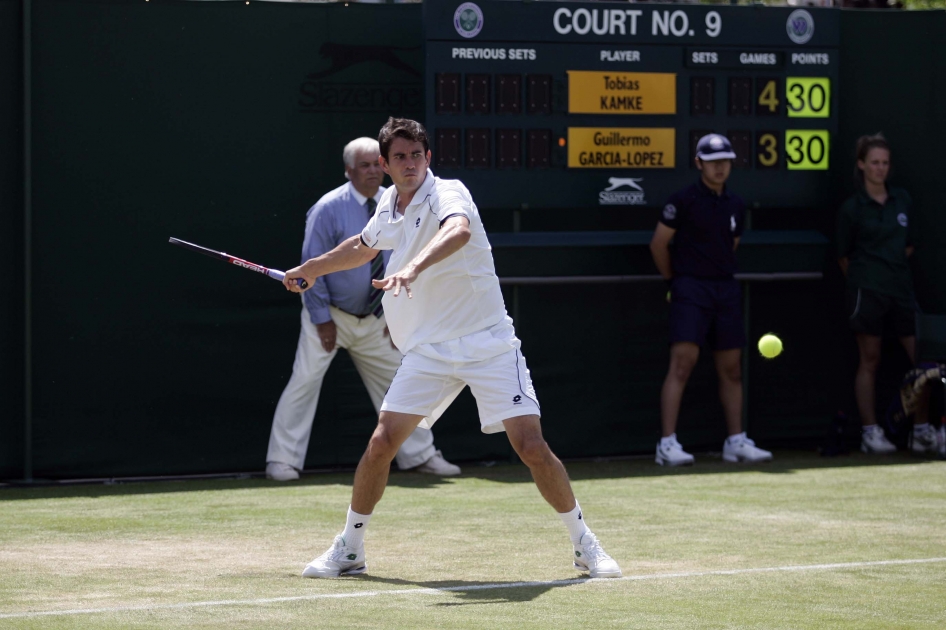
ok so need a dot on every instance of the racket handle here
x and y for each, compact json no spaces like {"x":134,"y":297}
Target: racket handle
{"x":279,"y":275}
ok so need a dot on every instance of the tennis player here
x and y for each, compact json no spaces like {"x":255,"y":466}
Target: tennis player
{"x":446,"y":315}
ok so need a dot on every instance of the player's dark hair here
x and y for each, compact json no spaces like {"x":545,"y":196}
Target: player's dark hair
{"x":864,"y":145}
{"x":402,"y":128}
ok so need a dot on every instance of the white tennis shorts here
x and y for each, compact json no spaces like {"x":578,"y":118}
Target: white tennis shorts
{"x":424,"y":386}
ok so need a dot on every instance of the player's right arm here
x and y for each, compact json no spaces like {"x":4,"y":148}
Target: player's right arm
{"x":350,"y":253}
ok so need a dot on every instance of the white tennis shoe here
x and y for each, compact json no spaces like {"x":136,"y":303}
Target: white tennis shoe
{"x":591,"y":558}
{"x":925,"y":442}
{"x":437,"y":465}
{"x":873,"y":440}
{"x":278,"y":471}
{"x":339,"y":560}
{"x":670,"y":453}
{"x":743,"y":450}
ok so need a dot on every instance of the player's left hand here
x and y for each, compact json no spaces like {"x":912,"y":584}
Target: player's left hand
{"x":402,"y":279}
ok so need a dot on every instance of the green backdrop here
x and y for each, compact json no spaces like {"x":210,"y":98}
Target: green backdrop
{"x":11,"y":239}
{"x":222,"y":123}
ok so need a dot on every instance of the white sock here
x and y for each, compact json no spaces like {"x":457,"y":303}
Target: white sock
{"x":575,"y":523}
{"x":738,"y":437}
{"x":870,"y":428}
{"x":670,"y":439}
{"x":354,"y":533}
{"x":921,"y":428}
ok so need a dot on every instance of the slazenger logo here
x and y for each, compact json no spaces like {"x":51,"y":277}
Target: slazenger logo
{"x":611,"y":196}
{"x":318,"y":95}
{"x":250,"y":266}
{"x":343,"y":56}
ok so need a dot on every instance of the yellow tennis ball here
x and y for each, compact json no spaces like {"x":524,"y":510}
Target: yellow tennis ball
{"x":770,"y":346}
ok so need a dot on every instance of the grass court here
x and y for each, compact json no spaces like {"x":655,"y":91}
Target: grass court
{"x":803,"y":542}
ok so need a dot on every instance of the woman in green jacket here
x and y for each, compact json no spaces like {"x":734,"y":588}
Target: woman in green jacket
{"x":874,"y":243}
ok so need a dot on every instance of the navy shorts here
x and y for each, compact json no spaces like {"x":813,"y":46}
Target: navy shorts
{"x":704,"y":310}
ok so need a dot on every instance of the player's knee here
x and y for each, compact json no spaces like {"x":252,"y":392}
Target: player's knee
{"x":381,"y":445}
{"x":533,"y":450}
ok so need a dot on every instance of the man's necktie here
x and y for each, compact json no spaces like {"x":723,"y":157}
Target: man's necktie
{"x":377,"y":272}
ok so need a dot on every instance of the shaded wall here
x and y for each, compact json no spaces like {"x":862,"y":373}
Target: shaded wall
{"x":11,"y":239}
{"x":222,"y":123}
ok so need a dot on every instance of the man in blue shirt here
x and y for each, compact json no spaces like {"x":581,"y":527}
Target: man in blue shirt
{"x":343,"y":310}
{"x":704,"y":223}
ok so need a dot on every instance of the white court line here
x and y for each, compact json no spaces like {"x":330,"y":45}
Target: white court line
{"x":476,"y":587}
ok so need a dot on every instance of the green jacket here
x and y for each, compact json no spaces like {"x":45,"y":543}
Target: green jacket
{"x":874,"y":239}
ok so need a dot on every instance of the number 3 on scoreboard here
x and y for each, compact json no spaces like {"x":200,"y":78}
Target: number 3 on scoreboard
{"x":766,"y":149}
{"x":806,"y":150}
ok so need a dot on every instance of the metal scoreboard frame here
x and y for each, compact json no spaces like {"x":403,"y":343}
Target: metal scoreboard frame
{"x":587,"y":104}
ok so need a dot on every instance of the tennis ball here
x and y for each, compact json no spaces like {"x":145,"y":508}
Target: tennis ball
{"x":770,"y":346}
{"x":668,"y":296}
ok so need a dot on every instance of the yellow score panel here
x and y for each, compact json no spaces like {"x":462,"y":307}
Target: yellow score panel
{"x":614,"y":147}
{"x":808,"y":97}
{"x":807,"y":149}
{"x":622,"y":92}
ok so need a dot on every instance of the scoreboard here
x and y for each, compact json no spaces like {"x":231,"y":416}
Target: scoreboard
{"x":586,"y":104}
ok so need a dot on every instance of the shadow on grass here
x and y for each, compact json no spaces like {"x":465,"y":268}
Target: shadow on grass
{"x":471,"y":592}
{"x":786,"y":462}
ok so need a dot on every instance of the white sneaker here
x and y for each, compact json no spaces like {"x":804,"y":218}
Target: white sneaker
{"x":670,"y":453}
{"x":590,"y":557}
{"x":437,"y":465}
{"x":925,"y":442}
{"x":339,"y":560}
{"x":278,"y":471}
{"x":744,"y":450}
{"x":873,"y":440}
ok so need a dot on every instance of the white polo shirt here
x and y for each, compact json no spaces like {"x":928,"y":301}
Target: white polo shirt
{"x":452,"y":298}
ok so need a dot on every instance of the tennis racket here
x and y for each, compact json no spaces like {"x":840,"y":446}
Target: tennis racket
{"x":233,"y":260}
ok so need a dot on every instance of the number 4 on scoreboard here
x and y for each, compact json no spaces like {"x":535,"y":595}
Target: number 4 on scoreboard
{"x":767,"y":100}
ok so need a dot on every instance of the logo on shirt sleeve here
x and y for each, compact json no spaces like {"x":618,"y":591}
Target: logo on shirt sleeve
{"x":902,"y":219}
{"x":732,"y":223}
{"x":417,"y":222}
{"x":670,"y":212}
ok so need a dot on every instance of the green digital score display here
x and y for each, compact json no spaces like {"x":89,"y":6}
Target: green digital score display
{"x":570,"y":104}
{"x":804,"y":149}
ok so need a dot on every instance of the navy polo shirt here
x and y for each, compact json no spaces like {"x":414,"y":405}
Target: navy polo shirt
{"x":706,"y":227}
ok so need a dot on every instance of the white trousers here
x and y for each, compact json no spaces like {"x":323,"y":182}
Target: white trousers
{"x":376,"y":361}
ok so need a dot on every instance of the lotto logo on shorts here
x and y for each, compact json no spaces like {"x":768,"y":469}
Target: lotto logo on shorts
{"x":517,"y":399}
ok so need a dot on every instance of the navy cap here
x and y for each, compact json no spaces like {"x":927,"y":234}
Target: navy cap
{"x":714,"y":147}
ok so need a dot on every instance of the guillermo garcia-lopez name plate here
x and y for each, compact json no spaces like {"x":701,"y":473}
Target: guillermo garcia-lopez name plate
{"x":615,"y":147}
{"x":622,"y":92}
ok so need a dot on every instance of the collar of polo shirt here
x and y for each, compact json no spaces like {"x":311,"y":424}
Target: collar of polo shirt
{"x":422,"y":193}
